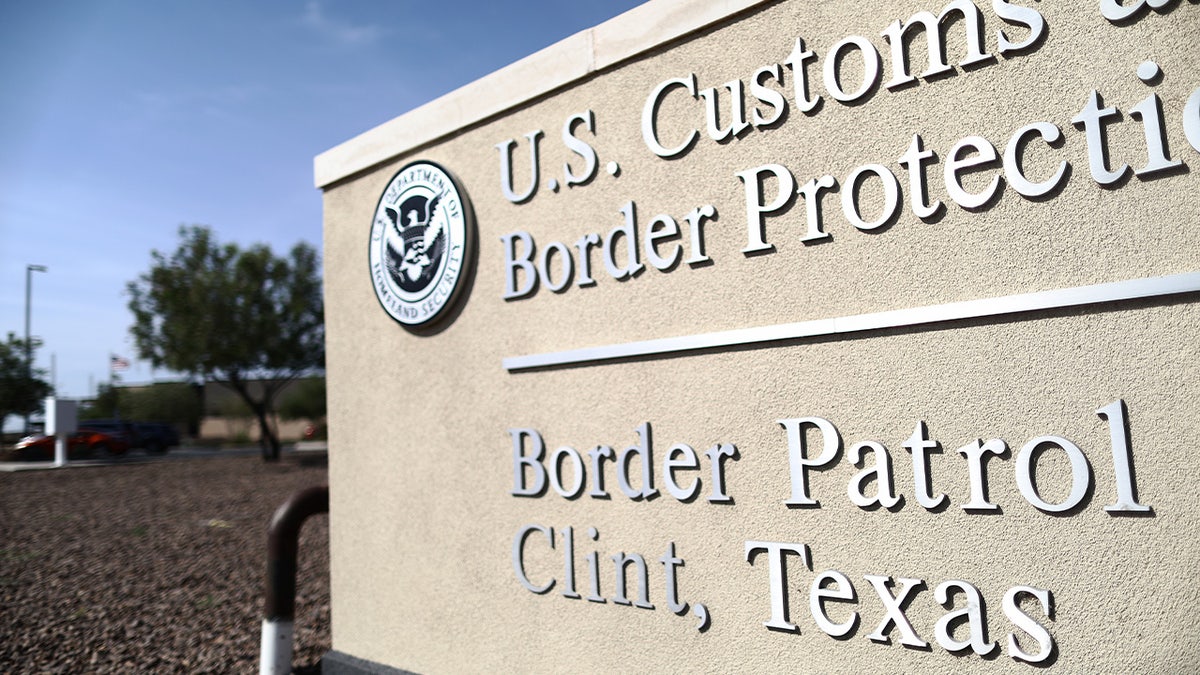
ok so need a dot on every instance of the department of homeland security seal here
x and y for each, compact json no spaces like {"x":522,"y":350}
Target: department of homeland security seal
{"x":422,"y":240}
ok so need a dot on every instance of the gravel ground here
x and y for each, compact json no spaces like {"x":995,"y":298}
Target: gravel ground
{"x":146,"y":568}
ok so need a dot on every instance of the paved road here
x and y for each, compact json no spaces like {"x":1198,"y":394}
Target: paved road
{"x":183,"y":452}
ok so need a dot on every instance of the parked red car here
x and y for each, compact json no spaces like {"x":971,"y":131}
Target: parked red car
{"x":81,"y":444}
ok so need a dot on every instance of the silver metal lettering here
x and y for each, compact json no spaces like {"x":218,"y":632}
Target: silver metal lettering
{"x":1118,"y":428}
{"x":1023,"y":16}
{"x":973,"y":611}
{"x":1114,"y":11}
{"x":1023,"y":621}
{"x":568,"y":535}
{"x":755,"y":209}
{"x":568,"y":266}
{"x":819,"y":594}
{"x":798,"y":460}
{"x":764,"y":94}
{"x":642,"y":451}
{"x":960,"y":158}
{"x":1080,"y":474}
{"x":914,"y":159}
{"x":670,"y":564}
{"x":650,"y":117}
{"x":695,"y":219}
{"x":593,"y":560}
{"x":881,"y":472}
{"x":1013,"y":166}
{"x":737,"y":111}
{"x":919,"y":445}
{"x":811,"y":191}
{"x":976,"y":452}
{"x":891,"y":196}
{"x":1191,"y":120}
{"x":521,"y":462}
{"x":514,"y":263}
{"x":894,"y":608}
{"x":798,"y":61}
{"x":871,"y":63}
{"x":716,"y":456}
{"x":584,"y":246}
{"x":506,"y":176}
{"x":598,"y":455}
{"x":628,"y":231}
{"x":1092,"y":119}
{"x":776,"y":574}
{"x":587,"y":152}
{"x":688,"y":461}
{"x":621,"y":563}
{"x":668,"y":231}
{"x":555,"y":471}
{"x":518,"y":557}
{"x":935,"y":41}
{"x":1149,"y":112}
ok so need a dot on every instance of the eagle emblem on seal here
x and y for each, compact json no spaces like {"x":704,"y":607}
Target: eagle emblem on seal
{"x":416,"y":241}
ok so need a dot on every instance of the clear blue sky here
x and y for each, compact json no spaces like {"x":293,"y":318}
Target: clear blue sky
{"x":124,"y":119}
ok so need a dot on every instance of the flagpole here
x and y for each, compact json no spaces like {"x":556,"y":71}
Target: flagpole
{"x":112,"y":374}
{"x":116,"y":363}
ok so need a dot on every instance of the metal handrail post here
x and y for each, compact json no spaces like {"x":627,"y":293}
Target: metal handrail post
{"x":283,"y":537}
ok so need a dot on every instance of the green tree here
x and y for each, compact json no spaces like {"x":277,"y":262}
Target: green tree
{"x":306,"y":401}
{"x":174,"y":403}
{"x":233,"y":316}
{"x":105,"y":404}
{"x":21,"y":388}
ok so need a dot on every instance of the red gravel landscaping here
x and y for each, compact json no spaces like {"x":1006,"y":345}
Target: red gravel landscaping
{"x":160,"y":567}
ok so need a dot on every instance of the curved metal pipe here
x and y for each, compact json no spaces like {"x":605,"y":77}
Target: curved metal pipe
{"x":283,"y":537}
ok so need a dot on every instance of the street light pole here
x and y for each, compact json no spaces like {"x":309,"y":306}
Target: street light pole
{"x":29,"y":270}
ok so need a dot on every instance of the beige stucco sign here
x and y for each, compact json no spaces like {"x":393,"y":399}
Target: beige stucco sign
{"x":790,"y":336}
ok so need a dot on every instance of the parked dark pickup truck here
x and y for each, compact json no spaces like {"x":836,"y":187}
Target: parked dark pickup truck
{"x":155,"y":437}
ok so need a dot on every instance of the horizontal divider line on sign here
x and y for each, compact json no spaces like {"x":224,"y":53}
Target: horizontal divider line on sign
{"x":916,"y":316}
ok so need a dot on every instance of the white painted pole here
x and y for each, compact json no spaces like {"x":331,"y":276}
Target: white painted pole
{"x":62,"y":419}
{"x":60,"y":449}
{"x":276,"y":656}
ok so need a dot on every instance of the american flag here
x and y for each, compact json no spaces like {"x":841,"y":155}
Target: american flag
{"x":118,"y":363}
